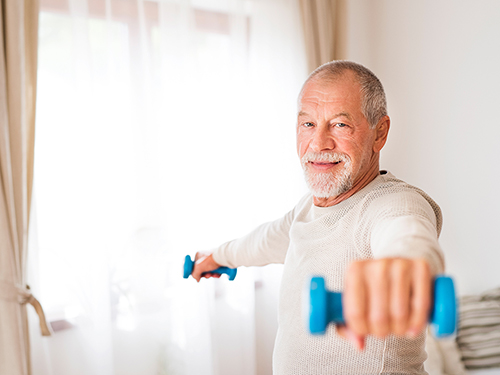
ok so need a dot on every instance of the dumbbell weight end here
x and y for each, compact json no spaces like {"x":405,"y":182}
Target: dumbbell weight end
{"x":444,"y":311}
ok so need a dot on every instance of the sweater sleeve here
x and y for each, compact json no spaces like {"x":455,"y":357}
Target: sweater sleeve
{"x":410,"y":231}
{"x":267,"y":244}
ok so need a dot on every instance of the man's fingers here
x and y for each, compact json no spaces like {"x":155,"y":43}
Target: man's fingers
{"x":356,"y":340}
{"x":207,"y":275}
{"x":378,"y":285}
{"x":196,"y":272}
{"x":204,"y":263}
{"x":341,"y":330}
{"x":355,"y":299}
{"x":400,"y":296}
{"x":420,"y":298}
{"x":199,"y":268}
{"x":387,"y":296}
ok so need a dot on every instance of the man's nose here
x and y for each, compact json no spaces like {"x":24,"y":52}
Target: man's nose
{"x":322,"y":140}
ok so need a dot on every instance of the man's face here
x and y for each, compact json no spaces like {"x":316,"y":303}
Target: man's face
{"x":334,"y":140}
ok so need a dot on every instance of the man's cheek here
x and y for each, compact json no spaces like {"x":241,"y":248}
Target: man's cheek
{"x":301,"y":147}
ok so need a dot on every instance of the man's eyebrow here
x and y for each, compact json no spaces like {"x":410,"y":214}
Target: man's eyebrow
{"x":340,"y":114}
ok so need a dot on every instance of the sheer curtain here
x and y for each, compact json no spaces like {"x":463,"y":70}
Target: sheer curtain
{"x":163,"y":128}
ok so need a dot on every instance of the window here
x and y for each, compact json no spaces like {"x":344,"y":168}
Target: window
{"x":159,"y":133}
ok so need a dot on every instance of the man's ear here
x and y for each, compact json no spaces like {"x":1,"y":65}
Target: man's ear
{"x":382,"y":131}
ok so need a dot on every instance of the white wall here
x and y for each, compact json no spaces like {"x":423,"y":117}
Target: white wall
{"x":439,"y":61}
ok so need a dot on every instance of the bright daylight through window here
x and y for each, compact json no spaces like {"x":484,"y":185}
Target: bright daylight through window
{"x":149,"y":116}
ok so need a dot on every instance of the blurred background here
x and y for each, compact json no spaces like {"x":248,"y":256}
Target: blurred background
{"x":167,"y":127}
{"x":163,"y":128}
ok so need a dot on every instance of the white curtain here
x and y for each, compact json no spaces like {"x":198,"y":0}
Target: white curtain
{"x":163,"y":128}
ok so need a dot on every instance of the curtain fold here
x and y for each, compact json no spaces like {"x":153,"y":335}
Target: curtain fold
{"x":18,"y":61}
{"x":324,"y":24}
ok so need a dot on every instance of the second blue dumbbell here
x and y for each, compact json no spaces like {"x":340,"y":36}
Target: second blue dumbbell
{"x":189,"y":265}
{"x":326,"y":307}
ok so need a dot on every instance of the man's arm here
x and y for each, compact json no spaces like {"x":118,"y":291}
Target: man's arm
{"x":391,"y":294}
{"x":410,"y":237}
{"x":267,"y":244}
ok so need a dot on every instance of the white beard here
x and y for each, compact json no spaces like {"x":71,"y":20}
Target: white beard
{"x":328,"y":184}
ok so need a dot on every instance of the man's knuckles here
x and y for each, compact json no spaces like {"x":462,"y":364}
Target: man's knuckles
{"x":379,"y":324}
{"x":387,"y":282}
{"x":399,"y":321}
{"x":398,"y":266}
{"x":421,"y":265}
{"x":400,"y":269}
{"x":400,"y":314}
{"x":357,"y":320}
{"x":357,"y":268}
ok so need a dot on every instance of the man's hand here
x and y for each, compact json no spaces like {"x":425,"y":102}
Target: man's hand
{"x":386,"y":296}
{"x":203,"y":264}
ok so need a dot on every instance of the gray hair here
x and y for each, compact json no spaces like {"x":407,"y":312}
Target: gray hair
{"x":374,"y":103}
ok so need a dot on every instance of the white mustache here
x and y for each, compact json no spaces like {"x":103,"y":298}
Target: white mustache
{"x":329,"y":157}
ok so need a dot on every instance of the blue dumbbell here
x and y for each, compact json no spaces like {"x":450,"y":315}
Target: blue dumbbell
{"x":326,"y":307}
{"x":189,"y":264}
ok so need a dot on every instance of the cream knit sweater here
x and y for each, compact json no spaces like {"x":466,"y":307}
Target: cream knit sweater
{"x":387,"y":218}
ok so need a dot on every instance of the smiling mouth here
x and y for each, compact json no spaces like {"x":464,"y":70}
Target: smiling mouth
{"x":323,"y":166}
{"x":320,"y":163}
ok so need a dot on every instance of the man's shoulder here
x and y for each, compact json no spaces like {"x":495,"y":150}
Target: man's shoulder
{"x":387,"y":184}
{"x":389,"y":195}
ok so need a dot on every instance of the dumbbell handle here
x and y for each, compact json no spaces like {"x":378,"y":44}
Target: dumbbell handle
{"x":326,"y":307}
{"x":189,"y":265}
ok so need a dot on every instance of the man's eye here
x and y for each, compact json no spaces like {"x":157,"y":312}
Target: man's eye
{"x":308,"y":124}
{"x":340,"y":125}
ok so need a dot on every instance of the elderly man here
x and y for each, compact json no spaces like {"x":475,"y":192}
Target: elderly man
{"x":370,"y":234}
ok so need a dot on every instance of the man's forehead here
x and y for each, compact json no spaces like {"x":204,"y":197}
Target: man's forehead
{"x":316,"y":96}
{"x":340,"y":97}
{"x":325,"y":87}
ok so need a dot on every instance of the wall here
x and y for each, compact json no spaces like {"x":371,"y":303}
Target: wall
{"x":439,"y":62}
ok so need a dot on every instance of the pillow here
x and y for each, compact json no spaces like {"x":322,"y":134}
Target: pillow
{"x":443,"y":357}
{"x":434,"y":364}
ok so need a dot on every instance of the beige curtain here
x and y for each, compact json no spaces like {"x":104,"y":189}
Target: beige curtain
{"x":324,"y":23}
{"x":18,"y":63}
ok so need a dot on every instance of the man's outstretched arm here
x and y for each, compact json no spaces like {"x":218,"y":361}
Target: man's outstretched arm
{"x":391,"y":294}
{"x":266,"y":244}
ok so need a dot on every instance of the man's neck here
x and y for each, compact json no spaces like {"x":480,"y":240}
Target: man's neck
{"x":368,"y":177}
